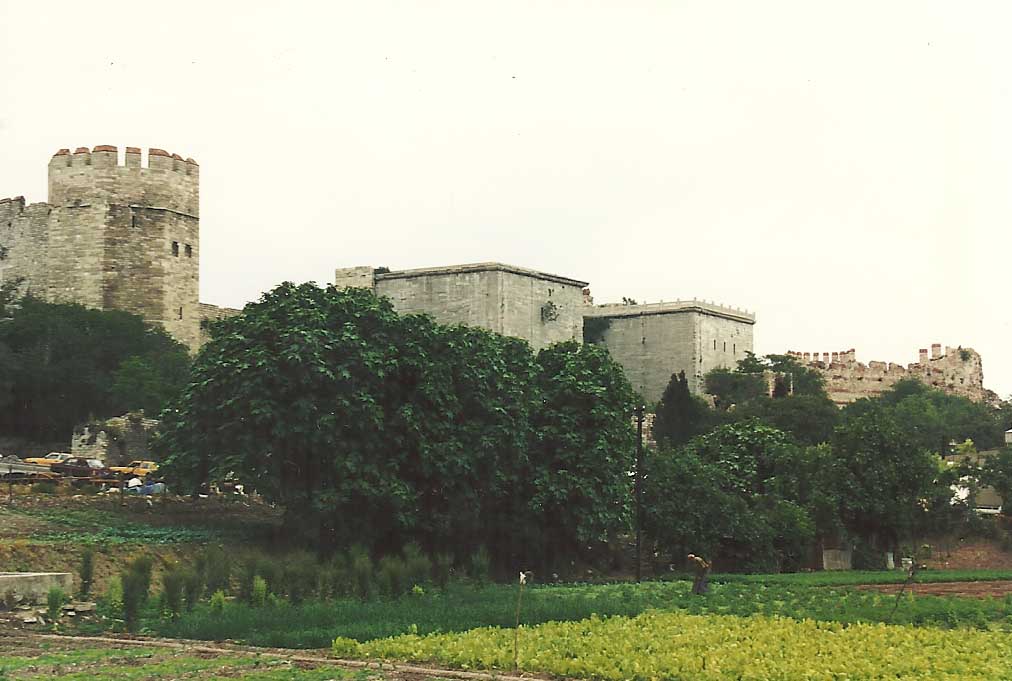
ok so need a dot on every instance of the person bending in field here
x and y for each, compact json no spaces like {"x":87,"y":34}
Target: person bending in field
{"x":700,"y":583}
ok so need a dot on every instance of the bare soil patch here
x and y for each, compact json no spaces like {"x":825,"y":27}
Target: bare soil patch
{"x":995,"y":589}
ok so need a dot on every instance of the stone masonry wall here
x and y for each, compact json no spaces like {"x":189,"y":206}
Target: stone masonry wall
{"x":541,"y":308}
{"x":654,"y":341}
{"x":24,"y":232}
{"x":212,"y":313}
{"x":113,"y":236}
{"x":958,"y":371}
{"x":116,"y":441}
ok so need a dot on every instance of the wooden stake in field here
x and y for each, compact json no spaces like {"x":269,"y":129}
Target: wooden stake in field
{"x":516,"y":628}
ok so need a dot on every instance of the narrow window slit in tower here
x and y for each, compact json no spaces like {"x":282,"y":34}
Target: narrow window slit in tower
{"x":189,"y":251}
{"x":133,"y":221}
{"x":180,"y":312}
{"x":175,"y":248}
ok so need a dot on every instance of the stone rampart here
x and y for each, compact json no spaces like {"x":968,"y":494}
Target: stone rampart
{"x":656,"y":340}
{"x":168,"y":182}
{"x":113,"y":236}
{"x":958,"y":371}
{"x":539,"y":307}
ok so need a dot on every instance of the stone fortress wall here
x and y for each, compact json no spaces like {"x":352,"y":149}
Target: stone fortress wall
{"x":653,"y":341}
{"x":957,"y":371}
{"x":539,"y":307}
{"x":113,"y":235}
{"x":125,"y":235}
{"x":650,"y":341}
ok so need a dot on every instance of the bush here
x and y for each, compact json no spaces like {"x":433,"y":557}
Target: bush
{"x":86,"y":571}
{"x":44,"y":488}
{"x":301,"y":576}
{"x":258,"y":565}
{"x":443,"y":569}
{"x":361,"y":570}
{"x":335,"y":578}
{"x":193,"y":586}
{"x":345,"y":647}
{"x":173,"y":582}
{"x":258,"y":598}
{"x":218,"y":601}
{"x":417,"y":566}
{"x":114,"y":594}
{"x":217,"y":569}
{"x":392,"y":575}
{"x":480,"y":568}
{"x":867,"y":557}
{"x":54,"y":602}
{"x":136,"y":581}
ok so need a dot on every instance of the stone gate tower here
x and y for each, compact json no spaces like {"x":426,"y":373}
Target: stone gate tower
{"x":113,"y":236}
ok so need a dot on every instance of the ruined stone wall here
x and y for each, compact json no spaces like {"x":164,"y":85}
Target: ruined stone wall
{"x":656,"y":340}
{"x":212,"y":313}
{"x":24,"y":232}
{"x":958,"y":371}
{"x":116,"y":441}
{"x":113,"y":236}
{"x":540,"y":308}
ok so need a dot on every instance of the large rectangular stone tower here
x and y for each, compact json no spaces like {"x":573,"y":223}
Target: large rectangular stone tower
{"x":112,"y":236}
{"x":654,"y":341}
{"x":541,"y":308}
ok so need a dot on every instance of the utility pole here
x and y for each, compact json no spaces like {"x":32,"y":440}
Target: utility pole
{"x":639,"y":489}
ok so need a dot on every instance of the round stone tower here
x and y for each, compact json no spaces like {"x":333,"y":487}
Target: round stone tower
{"x":126,"y":236}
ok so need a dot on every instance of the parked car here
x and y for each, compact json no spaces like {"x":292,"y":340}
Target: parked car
{"x":79,"y":467}
{"x":49,"y":459}
{"x":135,"y":469}
{"x":13,"y":469}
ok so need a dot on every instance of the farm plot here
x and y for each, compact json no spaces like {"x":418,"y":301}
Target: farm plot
{"x":713,"y":647}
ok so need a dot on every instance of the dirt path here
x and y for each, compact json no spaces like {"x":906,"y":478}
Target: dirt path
{"x":995,"y":589}
{"x":30,"y":644}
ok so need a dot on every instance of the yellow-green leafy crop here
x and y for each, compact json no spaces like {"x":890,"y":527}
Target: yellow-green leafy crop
{"x":660,"y":645}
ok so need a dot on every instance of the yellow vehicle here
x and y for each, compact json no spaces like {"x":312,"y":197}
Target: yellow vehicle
{"x":136,"y":468}
{"x":49,"y":459}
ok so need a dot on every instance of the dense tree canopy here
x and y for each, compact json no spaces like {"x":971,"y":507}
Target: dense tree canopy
{"x":584,"y":447}
{"x":733,"y":494}
{"x":680,"y":415}
{"x":63,"y":364}
{"x":371,"y":427}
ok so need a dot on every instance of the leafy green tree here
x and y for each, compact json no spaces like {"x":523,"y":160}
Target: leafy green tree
{"x":803,"y":380}
{"x":882,"y":475}
{"x":680,"y":416}
{"x":996,"y":472}
{"x":736,"y":492}
{"x":296,"y":395}
{"x":371,"y":427}
{"x":730,"y":388}
{"x":61,"y":362}
{"x":580,"y":486}
{"x":810,"y":419}
{"x":935,"y":418}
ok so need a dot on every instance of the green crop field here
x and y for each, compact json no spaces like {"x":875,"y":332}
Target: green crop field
{"x":680,"y":646}
{"x":316,"y":623}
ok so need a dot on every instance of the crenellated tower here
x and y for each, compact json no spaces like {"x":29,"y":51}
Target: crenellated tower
{"x":113,"y":235}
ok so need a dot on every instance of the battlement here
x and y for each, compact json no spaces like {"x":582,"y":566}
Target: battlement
{"x":674,"y":306}
{"x":13,"y":206}
{"x":96,"y":175}
{"x":107,"y":156}
{"x":958,"y":371}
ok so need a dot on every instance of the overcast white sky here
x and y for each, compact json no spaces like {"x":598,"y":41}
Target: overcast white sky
{"x":843,"y":169}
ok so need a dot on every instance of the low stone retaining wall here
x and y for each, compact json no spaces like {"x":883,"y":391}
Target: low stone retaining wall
{"x":33,"y":587}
